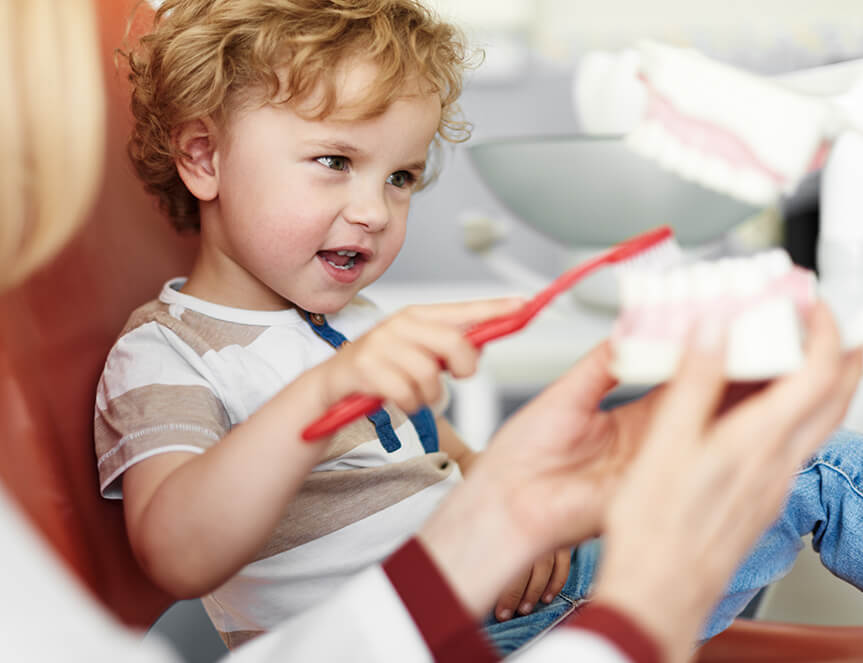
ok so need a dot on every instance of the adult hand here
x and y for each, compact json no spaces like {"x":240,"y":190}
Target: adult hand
{"x":542,"y":483}
{"x":710,"y":478}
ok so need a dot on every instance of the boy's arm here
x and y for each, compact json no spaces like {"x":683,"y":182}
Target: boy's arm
{"x":450,"y":442}
{"x":194,"y":520}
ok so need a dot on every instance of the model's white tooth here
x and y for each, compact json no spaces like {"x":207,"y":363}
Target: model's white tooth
{"x":775,"y":263}
{"x":654,"y":288}
{"x":691,"y":163}
{"x":705,"y":281}
{"x":343,"y":252}
{"x":753,"y":187}
{"x":725,"y":269}
{"x":670,"y":155}
{"x":678,"y":286}
{"x":746,"y":278}
{"x":719,"y":178}
{"x":630,"y":289}
{"x":712,"y":172}
{"x":647,"y":139}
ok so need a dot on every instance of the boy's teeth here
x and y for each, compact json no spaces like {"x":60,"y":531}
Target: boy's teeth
{"x":348,"y":265}
{"x":342,"y":259}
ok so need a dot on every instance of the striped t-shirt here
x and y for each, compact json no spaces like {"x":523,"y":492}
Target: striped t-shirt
{"x":184,"y":371}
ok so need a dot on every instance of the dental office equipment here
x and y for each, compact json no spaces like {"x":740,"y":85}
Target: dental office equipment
{"x":655,"y":250}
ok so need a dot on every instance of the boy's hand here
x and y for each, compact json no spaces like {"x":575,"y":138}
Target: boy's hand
{"x":401,"y":358}
{"x":542,"y":582}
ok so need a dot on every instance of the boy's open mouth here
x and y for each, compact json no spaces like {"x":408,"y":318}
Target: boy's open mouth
{"x":342,"y":259}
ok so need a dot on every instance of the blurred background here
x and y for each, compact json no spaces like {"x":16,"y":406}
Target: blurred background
{"x":524,"y":89}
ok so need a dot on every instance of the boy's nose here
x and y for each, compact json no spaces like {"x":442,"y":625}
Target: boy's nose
{"x":368,"y":208}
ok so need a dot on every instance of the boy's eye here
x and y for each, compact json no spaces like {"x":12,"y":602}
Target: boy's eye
{"x":401,"y":179}
{"x":334,"y":162}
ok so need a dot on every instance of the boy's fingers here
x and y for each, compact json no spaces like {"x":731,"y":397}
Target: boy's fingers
{"x":465,"y":314}
{"x":511,"y":597}
{"x":542,"y":572}
{"x":559,"y":575}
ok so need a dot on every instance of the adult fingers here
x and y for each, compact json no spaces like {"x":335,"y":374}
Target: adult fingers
{"x":785,"y":404}
{"x":692,"y":396}
{"x":584,"y":385}
{"x":812,"y":431}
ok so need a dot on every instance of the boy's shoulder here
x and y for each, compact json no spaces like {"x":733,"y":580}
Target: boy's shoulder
{"x":152,"y":311}
{"x":167,"y":321}
{"x":203,"y":330}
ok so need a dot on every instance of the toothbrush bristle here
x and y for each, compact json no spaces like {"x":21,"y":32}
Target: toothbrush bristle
{"x":659,"y":257}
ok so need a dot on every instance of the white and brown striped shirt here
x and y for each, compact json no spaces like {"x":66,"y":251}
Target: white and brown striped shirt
{"x":184,"y":371}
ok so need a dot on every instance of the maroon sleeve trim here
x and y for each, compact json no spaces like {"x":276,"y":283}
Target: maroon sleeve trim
{"x":449,"y":631}
{"x":617,"y":627}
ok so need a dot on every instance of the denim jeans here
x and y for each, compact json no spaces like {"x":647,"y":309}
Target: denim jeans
{"x":510,"y":635}
{"x":826,"y":500}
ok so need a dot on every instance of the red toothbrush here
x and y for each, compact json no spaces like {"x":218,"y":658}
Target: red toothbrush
{"x":655,"y":247}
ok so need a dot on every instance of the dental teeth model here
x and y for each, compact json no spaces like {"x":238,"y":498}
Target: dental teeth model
{"x":761,"y":300}
{"x":739,"y":133}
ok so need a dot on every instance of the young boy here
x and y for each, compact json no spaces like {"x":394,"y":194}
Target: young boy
{"x":291,"y":134}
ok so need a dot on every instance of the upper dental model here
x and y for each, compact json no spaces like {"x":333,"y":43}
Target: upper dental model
{"x":760,"y":299}
{"x":746,"y":135}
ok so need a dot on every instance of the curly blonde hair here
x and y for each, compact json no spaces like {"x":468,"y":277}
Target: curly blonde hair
{"x":205,"y":58}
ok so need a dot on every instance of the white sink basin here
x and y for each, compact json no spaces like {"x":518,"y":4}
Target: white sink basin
{"x":590,"y":191}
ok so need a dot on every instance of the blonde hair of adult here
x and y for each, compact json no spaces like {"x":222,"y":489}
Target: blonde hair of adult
{"x":205,"y":58}
{"x":52,"y":123}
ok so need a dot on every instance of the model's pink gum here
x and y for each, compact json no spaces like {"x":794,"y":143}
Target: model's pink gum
{"x":673,"y":320}
{"x":705,"y":137}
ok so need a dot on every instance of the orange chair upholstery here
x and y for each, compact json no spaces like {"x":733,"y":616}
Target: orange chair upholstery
{"x":748,"y":641}
{"x":55,"y":332}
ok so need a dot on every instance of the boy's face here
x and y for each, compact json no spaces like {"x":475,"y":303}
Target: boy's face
{"x":309,"y":212}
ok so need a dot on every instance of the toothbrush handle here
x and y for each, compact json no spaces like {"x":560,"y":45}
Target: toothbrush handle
{"x":345,"y":411}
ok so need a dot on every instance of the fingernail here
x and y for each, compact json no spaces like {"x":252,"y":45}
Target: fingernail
{"x":548,"y":598}
{"x":525,"y":608}
{"x":503,"y":615}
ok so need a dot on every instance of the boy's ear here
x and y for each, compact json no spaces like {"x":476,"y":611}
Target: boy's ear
{"x":197,"y":162}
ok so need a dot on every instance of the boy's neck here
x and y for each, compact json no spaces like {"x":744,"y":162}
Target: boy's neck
{"x":219,"y":280}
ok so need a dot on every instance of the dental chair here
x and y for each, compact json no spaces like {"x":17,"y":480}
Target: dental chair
{"x":55,"y":331}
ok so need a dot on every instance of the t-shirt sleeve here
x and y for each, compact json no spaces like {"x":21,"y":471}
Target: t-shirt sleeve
{"x":152,"y":398}
{"x":447,"y":628}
